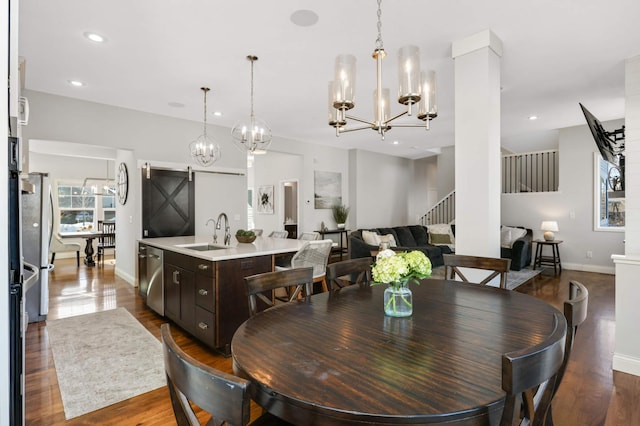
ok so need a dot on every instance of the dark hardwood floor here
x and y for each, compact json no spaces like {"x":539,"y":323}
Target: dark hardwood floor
{"x":591,"y":394}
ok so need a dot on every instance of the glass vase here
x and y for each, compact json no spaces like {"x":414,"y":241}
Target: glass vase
{"x":398,"y":301}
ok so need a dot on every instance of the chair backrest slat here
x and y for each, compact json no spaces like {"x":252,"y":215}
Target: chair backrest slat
{"x":348,"y":272}
{"x":498,"y":266}
{"x":222,"y":395}
{"x":258,"y":284}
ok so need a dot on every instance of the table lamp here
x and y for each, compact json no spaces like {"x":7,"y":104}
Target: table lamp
{"x":549,"y":226}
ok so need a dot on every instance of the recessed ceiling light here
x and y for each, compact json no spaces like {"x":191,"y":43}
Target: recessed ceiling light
{"x":176,"y":105}
{"x":304,"y":18}
{"x":217,"y":113}
{"x":76,"y":83}
{"x":396,"y":142}
{"x":95,"y":37}
{"x":533,"y":117}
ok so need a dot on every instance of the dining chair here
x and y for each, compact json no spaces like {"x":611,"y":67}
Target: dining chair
{"x":314,"y":254}
{"x":349,"y":272}
{"x":453,"y":263}
{"x":575,"y":312}
{"x":257,"y":285}
{"x":58,"y":246}
{"x":257,"y":232}
{"x":279,"y":234}
{"x":106,"y":240}
{"x":529,"y":370}
{"x":224,"y":396}
{"x":309,"y":236}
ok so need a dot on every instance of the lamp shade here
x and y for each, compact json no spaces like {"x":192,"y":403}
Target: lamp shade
{"x":549,"y":226}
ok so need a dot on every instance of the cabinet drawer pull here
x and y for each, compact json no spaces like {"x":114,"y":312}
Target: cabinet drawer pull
{"x":203,"y":326}
{"x":176,"y":277}
{"x":203,"y":267}
{"x":203,"y":292}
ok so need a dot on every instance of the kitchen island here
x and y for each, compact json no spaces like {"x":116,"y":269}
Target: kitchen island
{"x":203,"y":288}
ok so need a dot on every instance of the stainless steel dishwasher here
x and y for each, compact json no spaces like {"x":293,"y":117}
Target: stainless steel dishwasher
{"x":155,"y":288}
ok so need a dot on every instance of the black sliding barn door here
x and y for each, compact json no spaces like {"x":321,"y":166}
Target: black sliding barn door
{"x":168,"y":206}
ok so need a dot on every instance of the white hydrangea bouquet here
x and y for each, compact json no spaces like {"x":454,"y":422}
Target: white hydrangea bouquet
{"x":399,"y":269}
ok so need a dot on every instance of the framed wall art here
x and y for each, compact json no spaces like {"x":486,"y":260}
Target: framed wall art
{"x":327,"y":189}
{"x":265,"y":199}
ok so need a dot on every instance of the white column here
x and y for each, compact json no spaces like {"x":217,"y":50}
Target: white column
{"x":626,"y":357}
{"x":477,"y":144}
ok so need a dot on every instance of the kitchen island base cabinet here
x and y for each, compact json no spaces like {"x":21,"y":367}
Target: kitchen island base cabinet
{"x":232,"y":303}
{"x":208,"y":299}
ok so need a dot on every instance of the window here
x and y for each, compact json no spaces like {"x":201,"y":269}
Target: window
{"x":80,"y":207}
{"x":609,"y":196}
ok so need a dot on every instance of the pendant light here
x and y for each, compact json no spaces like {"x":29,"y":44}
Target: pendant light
{"x":205,"y":150}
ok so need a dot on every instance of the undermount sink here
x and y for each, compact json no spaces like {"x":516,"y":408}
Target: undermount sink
{"x":202,"y":247}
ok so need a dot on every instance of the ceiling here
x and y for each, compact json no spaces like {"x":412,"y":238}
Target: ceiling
{"x":160,"y":52}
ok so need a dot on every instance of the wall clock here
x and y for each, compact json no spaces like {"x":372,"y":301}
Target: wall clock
{"x":123,"y":183}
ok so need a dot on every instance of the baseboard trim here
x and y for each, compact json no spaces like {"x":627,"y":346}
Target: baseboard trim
{"x":610,"y":270}
{"x":127,"y":277}
{"x":626,"y":364}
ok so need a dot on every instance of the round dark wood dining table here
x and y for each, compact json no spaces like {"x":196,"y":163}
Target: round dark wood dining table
{"x":336,"y":359}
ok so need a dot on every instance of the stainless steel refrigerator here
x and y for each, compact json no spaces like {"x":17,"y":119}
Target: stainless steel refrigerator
{"x":36,"y":236}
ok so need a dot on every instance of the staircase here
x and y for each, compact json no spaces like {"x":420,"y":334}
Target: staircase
{"x":444,"y":211}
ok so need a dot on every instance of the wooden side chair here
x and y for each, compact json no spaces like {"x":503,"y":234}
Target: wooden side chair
{"x":453,"y":263}
{"x":224,"y":396}
{"x":349,"y":272}
{"x":107,"y":240}
{"x":257,"y":285}
{"x":532,"y":370}
{"x":314,"y":254}
{"x":575,"y":312}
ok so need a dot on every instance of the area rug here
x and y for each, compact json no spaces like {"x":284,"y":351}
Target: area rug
{"x":103,"y":358}
{"x":514,"y":278}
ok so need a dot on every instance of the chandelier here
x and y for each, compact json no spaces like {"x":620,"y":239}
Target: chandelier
{"x":415,"y":87}
{"x":253,"y":136}
{"x":205,"y":150}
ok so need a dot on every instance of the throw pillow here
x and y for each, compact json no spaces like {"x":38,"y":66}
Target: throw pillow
{"x":388,"y":238}
{"x":437,"y":239}
{"x":371,"y":238}
{"x":440,"y":228}
{"x":505,"y":237}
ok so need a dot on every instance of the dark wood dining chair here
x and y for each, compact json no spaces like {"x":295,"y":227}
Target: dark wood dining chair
{"x":349,"y":272}
{"x":224,"y":396}
{"x":453,"y":263}
{"x":532,"y":370}
{"x":257,"y":285}
{"x":575,"y":312}
{"x":106,"y":240}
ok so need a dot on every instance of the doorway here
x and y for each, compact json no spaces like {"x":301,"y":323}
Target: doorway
{"x":289,"y":206}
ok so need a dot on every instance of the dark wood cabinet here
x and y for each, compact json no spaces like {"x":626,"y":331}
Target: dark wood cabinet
{"x":208,"y":299}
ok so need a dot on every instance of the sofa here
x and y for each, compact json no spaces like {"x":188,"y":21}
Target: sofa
{"x":409,"y":237}
{"x":515,"y":244}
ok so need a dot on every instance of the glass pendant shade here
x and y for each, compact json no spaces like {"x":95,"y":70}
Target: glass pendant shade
{"x":333,"y":115}
{"x":428,"y":108}
{"x":204,"y":149}
{"x":409,"y":75}
{"x":381,"y":111}
{"x":345,"y":78}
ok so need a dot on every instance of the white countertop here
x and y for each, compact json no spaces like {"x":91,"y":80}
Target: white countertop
{"x":261,"y":246}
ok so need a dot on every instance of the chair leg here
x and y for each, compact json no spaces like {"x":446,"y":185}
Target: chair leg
{"x":77,"y":258}
{"x":53,"y":257}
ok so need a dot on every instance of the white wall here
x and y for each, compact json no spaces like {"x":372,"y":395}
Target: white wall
{"x":571,"y":206}
{"x":382,"y":185}
{"x":446,"y":179}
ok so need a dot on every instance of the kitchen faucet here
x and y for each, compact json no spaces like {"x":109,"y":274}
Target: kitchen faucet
{"x":227,"y":229}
